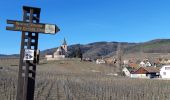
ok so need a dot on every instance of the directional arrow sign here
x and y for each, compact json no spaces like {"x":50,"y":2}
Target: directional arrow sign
{"x":32,"y":27}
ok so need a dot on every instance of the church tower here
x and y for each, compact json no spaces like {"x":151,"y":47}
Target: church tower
{"x":64,"y":45}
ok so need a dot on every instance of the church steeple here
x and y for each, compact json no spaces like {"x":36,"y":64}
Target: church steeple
{"x":64,"y":42}
{"x":64,"y":45}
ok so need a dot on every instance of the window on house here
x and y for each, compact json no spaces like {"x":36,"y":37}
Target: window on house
{"x":167,"y":68}
{"x":164,"y":73}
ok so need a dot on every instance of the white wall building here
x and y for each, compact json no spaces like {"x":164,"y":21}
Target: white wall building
{"x":138,"y":76}
{"x":142,"y":64}
{"x":127,"y":71}
{"x":60,"y":53}
{"x":145,"y":64}
{"x":100,"y":61}
{"x":125,"y":62}
{"x":165,"y":71}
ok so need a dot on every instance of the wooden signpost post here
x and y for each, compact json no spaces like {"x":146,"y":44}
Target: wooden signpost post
{"x":30,"y":28}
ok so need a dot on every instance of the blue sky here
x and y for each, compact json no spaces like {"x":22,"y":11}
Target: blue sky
{"x":86,"y":21}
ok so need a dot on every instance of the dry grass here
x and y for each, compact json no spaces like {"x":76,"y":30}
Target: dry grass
{"x":75,"y":80}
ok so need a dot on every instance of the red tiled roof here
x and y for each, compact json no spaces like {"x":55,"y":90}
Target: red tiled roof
{"x":144,"y":70}
{"x":152,"y":69}
{"x":132,"y":65}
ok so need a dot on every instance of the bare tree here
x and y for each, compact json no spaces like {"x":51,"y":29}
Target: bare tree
{"x":119,"y":56}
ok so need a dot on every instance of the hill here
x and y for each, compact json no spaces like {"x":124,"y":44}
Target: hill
{"x":153,"y":46}
{"x":9,"y":56}
{"x":108,"y":49}
{"x":1,"y":55}
{"x":93,"y":50}
{"x":102,"y":49}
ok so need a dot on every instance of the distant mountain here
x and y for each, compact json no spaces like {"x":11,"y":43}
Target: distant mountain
{"x":153,"y":46}
{"x":93,"y":50}
{"x":1,"y":55}
{"x":103,"y":49}
{"x":9,"y":56}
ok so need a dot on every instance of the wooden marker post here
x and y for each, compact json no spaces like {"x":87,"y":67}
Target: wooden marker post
{"x":30,"y":28}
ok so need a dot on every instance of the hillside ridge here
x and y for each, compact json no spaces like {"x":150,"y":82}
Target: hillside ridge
{"x":107,"y":49}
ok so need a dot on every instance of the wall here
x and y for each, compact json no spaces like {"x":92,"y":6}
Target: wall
{"x":165,"y":73}
{"x":138,"y":76}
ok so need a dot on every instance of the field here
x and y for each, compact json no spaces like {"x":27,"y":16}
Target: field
{"x":76,"y":80}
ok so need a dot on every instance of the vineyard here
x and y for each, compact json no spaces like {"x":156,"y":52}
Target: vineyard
{"x":75,"y":80}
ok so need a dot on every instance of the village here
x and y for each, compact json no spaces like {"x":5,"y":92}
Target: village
{"x":159,"y":68}
{"x":146,"y":69}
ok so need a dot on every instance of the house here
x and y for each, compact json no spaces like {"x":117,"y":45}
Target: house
{"x":165,"y":71}
{"x":145,"y":64}
{"x":148,"y":64}
{"x":127,"y":71}
{"x":125,"y":62}
{"x":60,"y":53}
{"x":87,"y":59}
{"x":145,"y":72}
{"x":100,"y":61}
{"x":48,"y":56}
{"x":142,"y":64}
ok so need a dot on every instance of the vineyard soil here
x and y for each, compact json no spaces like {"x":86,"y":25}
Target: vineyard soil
{"x":76,"y":80}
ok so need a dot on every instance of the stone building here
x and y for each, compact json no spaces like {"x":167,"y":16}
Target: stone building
{"x":60,"y":53}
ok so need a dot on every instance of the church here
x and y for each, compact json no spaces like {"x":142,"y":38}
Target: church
{"x":60,"y":53}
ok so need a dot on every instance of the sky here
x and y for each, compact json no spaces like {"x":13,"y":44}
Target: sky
{"x":86,"y":21}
